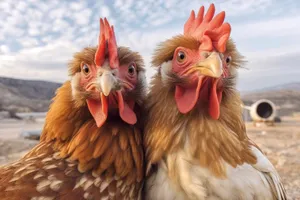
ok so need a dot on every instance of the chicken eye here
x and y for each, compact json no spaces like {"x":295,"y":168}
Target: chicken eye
{"x":131,"y":69}
{"x":85,"y":69}
{"x":181,"y":56}
{"x":228,"y":59}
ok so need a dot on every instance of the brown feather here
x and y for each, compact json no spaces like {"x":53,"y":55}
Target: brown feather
{"x":103,"y":142}
{"x":165,"y":50}
{"x":119,"y":164}
{"x":128,"y":163}
{"x":110,"y":155}
{"x":123,"y":141}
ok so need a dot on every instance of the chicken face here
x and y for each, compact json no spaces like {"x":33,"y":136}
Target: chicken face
{"x":107,"y":88}
{"x":199,"y":60}
{"x":204,"y":71}
{"x":110,"y":77}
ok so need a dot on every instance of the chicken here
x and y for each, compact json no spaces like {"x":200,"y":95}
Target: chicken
{"x":91,"y":143}
{"x":195,"y":139}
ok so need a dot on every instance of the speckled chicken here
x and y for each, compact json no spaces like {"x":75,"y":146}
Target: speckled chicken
{"x":195,"y":139}
{"x":91,"y":143}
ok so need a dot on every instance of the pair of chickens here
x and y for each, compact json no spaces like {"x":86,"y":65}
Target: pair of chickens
{"x":105,"y":138}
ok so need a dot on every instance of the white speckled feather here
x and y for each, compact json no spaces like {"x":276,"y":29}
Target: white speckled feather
{"x":195,"y":182}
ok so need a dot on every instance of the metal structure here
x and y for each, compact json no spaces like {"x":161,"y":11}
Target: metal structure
{"x":262,"y":110}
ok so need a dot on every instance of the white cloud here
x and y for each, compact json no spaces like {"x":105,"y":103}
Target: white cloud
{"x":4,"y":49}
{"x":273,"y":52}
{"x":46,"y":63}
{"x":82,"y":17}
{"x":33,"y":14}
{"x":105,"y":11}
{"x":47,"y":39}
{"x":270,"y":70}
{"x":45,"y":74}
{"x":29,"y":49}
{"x":49,"y":53}
{"x":6,"y":6}
{"x":77,"y":6}
{"x":46,"y":6}
{"x":57,"y":13}
{"x":242,"y":7}
{"x":28,"y":42}
{"x":275,"y":27}
{"x":21,"y":6}
{"x":60,"y":24}
{"x":34,"y":32}
{"x":161,"y":21}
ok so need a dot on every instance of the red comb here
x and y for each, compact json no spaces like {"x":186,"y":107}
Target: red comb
{"x":107,"y":43}
{"x":209,"y":30}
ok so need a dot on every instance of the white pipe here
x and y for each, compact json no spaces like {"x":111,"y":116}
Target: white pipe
{"x":256,"y":112}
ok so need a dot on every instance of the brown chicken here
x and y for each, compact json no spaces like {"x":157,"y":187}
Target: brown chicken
{"x":195,"y":139}
{"x":91,"y":144}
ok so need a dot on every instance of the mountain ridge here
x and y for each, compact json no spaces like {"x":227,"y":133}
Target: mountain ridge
{"x":26,"y":95}
{"x":286,"y":86}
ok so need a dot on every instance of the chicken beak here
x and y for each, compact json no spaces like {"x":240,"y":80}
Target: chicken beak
{"x":211,"y":66}
{"x":108,"y":82}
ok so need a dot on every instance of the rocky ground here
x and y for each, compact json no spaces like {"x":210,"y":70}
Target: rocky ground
{"x":12,"y":146}
{"x":11,"y":150}
{"x":281,"y":143}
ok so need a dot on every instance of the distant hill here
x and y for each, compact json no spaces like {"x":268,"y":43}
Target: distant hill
{"x":287,"y":96}
{"x":26,"y":95}
{"x":287,"y":86}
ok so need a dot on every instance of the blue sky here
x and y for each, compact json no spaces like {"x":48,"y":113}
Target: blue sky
{"x":38,"y":38}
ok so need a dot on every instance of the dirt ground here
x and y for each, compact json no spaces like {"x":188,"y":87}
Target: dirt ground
{"x":280,"y":143}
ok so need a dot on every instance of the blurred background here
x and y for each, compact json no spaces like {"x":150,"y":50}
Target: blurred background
{"x":38,"y":38}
